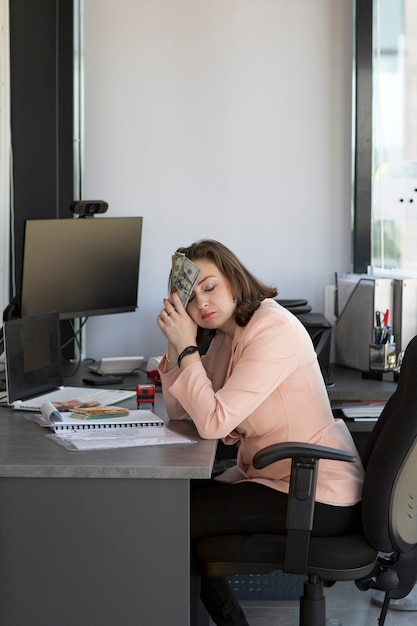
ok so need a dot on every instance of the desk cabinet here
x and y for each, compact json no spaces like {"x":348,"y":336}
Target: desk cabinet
{"x":94,"y":551}
{"x":95,"y":537}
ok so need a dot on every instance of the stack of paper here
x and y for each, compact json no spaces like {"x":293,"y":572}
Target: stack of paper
{"x":363,"y":411}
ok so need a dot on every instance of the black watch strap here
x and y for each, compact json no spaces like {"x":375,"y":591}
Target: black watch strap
{"x":186,"y":352}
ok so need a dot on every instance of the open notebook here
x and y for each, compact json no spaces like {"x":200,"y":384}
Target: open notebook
{"x":34,"y":366}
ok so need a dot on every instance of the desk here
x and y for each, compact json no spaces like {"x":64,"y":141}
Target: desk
{"x":103,"y":537}
{"x":95,"y":537}
{"x":349,"y":385}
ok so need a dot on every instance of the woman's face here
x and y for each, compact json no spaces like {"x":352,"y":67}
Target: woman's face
{"x":211,"y":305}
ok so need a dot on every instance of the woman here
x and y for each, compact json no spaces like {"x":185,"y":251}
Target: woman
{"x":259,"y":383}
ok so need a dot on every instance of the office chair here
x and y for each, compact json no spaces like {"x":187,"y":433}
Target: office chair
{"x":383,"y":556}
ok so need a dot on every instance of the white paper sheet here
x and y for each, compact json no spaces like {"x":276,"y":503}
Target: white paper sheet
{"x":106,"y":440}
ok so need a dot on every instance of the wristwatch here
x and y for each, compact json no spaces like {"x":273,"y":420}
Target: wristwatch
{"x":186,"y":352}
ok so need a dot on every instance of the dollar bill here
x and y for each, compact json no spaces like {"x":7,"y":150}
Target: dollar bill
{"x":184,"y":275}
{"x":177,"y":261}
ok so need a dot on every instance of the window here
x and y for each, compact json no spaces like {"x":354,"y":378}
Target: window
{"x":394,"y":192}
{"x":386,"y":136}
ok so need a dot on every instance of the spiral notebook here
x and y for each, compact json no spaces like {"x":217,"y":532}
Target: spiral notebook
{"x":140,"y":419}
{"x":33,"y":362}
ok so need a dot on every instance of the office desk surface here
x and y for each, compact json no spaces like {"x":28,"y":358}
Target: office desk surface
{"x":26,"y":452}
{"x":351,"y":386}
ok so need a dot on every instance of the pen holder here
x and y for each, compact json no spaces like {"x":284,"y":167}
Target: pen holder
{"x":382,"y":357}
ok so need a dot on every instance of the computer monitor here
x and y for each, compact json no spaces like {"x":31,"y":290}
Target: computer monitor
{"x":81,"y":267}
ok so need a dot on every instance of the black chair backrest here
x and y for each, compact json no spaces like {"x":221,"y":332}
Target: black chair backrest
{"x":389,"y":501}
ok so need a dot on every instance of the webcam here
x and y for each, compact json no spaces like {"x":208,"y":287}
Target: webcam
{"x":88,"y":208}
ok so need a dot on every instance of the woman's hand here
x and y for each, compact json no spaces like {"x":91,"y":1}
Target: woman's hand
{"x":177,"y":326}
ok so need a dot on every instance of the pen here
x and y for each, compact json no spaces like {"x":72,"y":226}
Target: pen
{"x":386,"y":332}
{"x":377,"y":328}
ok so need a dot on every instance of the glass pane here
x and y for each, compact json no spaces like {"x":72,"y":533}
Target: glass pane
{"x":394,"y":193}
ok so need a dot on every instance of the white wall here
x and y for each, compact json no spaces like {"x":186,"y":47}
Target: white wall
{"x":228,"y":119}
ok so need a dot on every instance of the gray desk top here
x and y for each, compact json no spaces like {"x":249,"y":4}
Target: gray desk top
{"x":26,"y":452}
{"x":350,"y":385}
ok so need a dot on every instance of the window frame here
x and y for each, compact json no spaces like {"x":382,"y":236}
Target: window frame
{"x":363,"y":124}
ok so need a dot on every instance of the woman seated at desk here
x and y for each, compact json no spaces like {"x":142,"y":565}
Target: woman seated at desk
{"x":259,"y":383}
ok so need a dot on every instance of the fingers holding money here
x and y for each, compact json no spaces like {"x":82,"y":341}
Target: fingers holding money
{"x":163,"y":315}
{"x":162,"y":320}
{"x":176,"y":324}
{"x":167,"y":311}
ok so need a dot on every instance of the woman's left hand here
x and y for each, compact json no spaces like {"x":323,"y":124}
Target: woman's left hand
{"x":177,"y":326}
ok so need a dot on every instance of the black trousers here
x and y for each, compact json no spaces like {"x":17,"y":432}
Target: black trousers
{"x":246,"y":508}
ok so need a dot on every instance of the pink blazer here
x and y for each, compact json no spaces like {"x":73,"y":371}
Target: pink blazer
{"x":265,"y":386}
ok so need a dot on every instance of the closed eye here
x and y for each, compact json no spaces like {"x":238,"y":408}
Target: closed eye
{"x":193,"y":295}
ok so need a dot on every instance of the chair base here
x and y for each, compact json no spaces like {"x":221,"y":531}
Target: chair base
{"x":313,"y":603}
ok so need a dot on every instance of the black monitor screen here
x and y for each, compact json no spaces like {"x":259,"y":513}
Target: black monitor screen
{"x":81,"y":267}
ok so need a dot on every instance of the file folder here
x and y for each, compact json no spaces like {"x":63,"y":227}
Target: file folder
{"x":359,"y":297}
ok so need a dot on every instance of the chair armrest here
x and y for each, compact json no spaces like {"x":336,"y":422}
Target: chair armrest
{"x":302,"y":492}
{"x":292,"y":450}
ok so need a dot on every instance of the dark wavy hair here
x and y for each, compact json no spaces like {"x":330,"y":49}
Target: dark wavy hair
{"x":247,"y":290}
